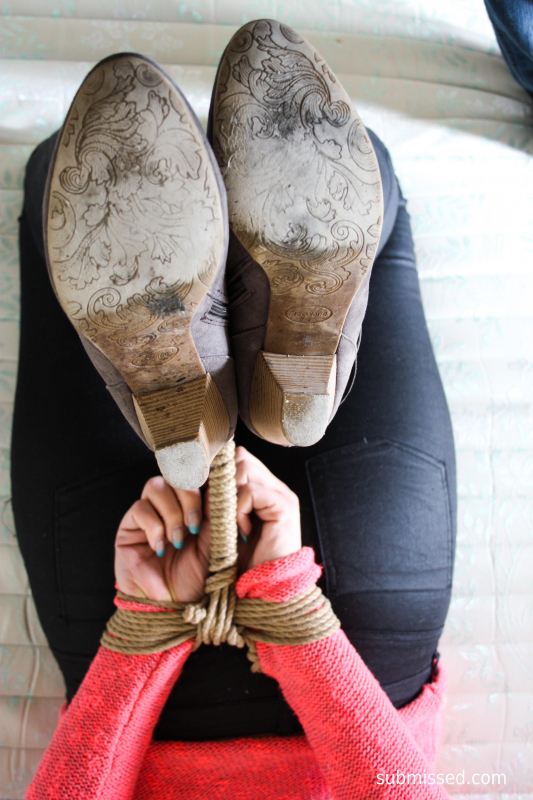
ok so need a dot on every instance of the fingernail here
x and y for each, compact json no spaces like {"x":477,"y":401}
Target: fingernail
{"x":243,"y":537}
{"x":194,"y":520}
{"x":160,"y":548}
{"x":177,"y":537}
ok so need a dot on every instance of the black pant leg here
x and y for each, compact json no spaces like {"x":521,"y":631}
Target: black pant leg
{"x":76,"y":465}
{"x":378,"y":492}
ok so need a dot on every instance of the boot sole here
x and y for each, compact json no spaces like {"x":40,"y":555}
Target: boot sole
{"x":135,"y":231}
{"x":305,"y":199}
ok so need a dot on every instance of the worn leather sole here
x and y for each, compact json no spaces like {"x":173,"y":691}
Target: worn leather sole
{"x":135,"y":232}
{"x":305,"y":199}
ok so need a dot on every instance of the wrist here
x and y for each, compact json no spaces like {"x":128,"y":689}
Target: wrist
{"x":280,"y":604}
{"x":140,"y":604}
{"x":146,"y":627}
{"x":281,"y":579}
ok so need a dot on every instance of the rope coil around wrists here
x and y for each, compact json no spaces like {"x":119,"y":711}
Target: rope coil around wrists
{"x":220,"y":616}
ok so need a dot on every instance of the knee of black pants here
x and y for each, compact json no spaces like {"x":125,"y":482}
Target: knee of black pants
{"x":384,"y":522}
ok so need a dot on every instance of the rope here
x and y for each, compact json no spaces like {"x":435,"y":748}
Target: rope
{"x":220,"y":616}
{"x":218,"y":627}
{"x":141,"y":633}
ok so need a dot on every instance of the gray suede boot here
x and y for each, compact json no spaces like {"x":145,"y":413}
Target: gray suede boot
{"x":136,"y":236}
{"x":305,"y":207}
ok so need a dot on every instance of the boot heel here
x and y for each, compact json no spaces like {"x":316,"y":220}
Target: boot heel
{"x":292,"y":397}
{"x":186,"y":425}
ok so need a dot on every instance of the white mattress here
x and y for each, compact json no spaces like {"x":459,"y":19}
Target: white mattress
{"x":427,"y":77}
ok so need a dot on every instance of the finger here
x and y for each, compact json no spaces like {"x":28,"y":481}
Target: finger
{"x":203,"y":543}
{"x":164,"y":500}
{"x":143,"y":516}
{"x":248,"y":463}
{"x":268,"y":505}
{"x":207,"y":504}
{"x":251,"y":469}
{"x":244,"y":509}
{"x":191,"y":503}
{"x":240,"y":453}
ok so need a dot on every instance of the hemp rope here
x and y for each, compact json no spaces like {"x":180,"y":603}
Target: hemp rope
{"x":220,"y":616}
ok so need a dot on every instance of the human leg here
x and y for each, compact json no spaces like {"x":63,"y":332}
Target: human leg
{"x":305,"y":201}
{"x":135,"y":224}
{"x":70,"y":567}
{"x":76,"y":463}
{"x":377,"y":493}
{"x":382,"y":476}
{"x":217,"y":691}
{"x":77,"y":466}
{"x":512,"y":21}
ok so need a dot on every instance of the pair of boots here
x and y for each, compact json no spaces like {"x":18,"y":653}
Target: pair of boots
{"x":188,"y":323}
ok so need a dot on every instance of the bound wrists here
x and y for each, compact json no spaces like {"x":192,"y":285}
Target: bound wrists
{"x":282,"y":579}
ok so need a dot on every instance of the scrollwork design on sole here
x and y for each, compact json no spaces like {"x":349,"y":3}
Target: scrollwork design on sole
{"x":303,"y":183}
{"x":135,"y":229}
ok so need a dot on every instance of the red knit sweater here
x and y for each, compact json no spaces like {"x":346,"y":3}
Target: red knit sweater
{"x":102,"y":748}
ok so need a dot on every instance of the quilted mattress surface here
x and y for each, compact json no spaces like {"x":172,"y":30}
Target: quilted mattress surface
{"x":429,"y":79}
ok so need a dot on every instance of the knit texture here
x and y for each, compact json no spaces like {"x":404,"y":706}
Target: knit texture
{"x":281,"y":579}
{"x":102,"y":748}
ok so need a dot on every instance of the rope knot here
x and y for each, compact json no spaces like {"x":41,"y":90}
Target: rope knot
{"x":220,"y":617}
{"x":194,"y":614}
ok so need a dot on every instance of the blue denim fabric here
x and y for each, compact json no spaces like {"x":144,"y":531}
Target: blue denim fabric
{"x":512,"y":21}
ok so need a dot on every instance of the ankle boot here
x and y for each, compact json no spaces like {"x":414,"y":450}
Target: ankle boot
{"x":136,"y":236}
{"x":305,"y":209}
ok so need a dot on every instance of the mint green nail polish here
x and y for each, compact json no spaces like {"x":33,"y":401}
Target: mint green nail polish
{"x":160,"y":551}
{"x":243,"y":537}
{"x":194,"y":520}
{"x":178,"y":535}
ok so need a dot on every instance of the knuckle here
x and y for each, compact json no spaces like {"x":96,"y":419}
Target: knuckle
{"x":294,"y":500}
{"x":243,"y":492}
{"x":157,"y":482}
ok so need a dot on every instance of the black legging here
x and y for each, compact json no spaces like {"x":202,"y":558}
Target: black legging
{"x":377,"y":493}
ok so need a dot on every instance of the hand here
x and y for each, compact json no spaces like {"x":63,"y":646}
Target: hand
{"x":155,"y":557}
{"x":268,"y":513}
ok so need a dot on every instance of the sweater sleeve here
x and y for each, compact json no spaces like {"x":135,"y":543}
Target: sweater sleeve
{"x":359,"y":739}
{"x":98,"y":748}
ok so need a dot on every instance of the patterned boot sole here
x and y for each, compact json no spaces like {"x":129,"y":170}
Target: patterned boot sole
{"x":305,"y":199}
{"x":135,"y":230}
